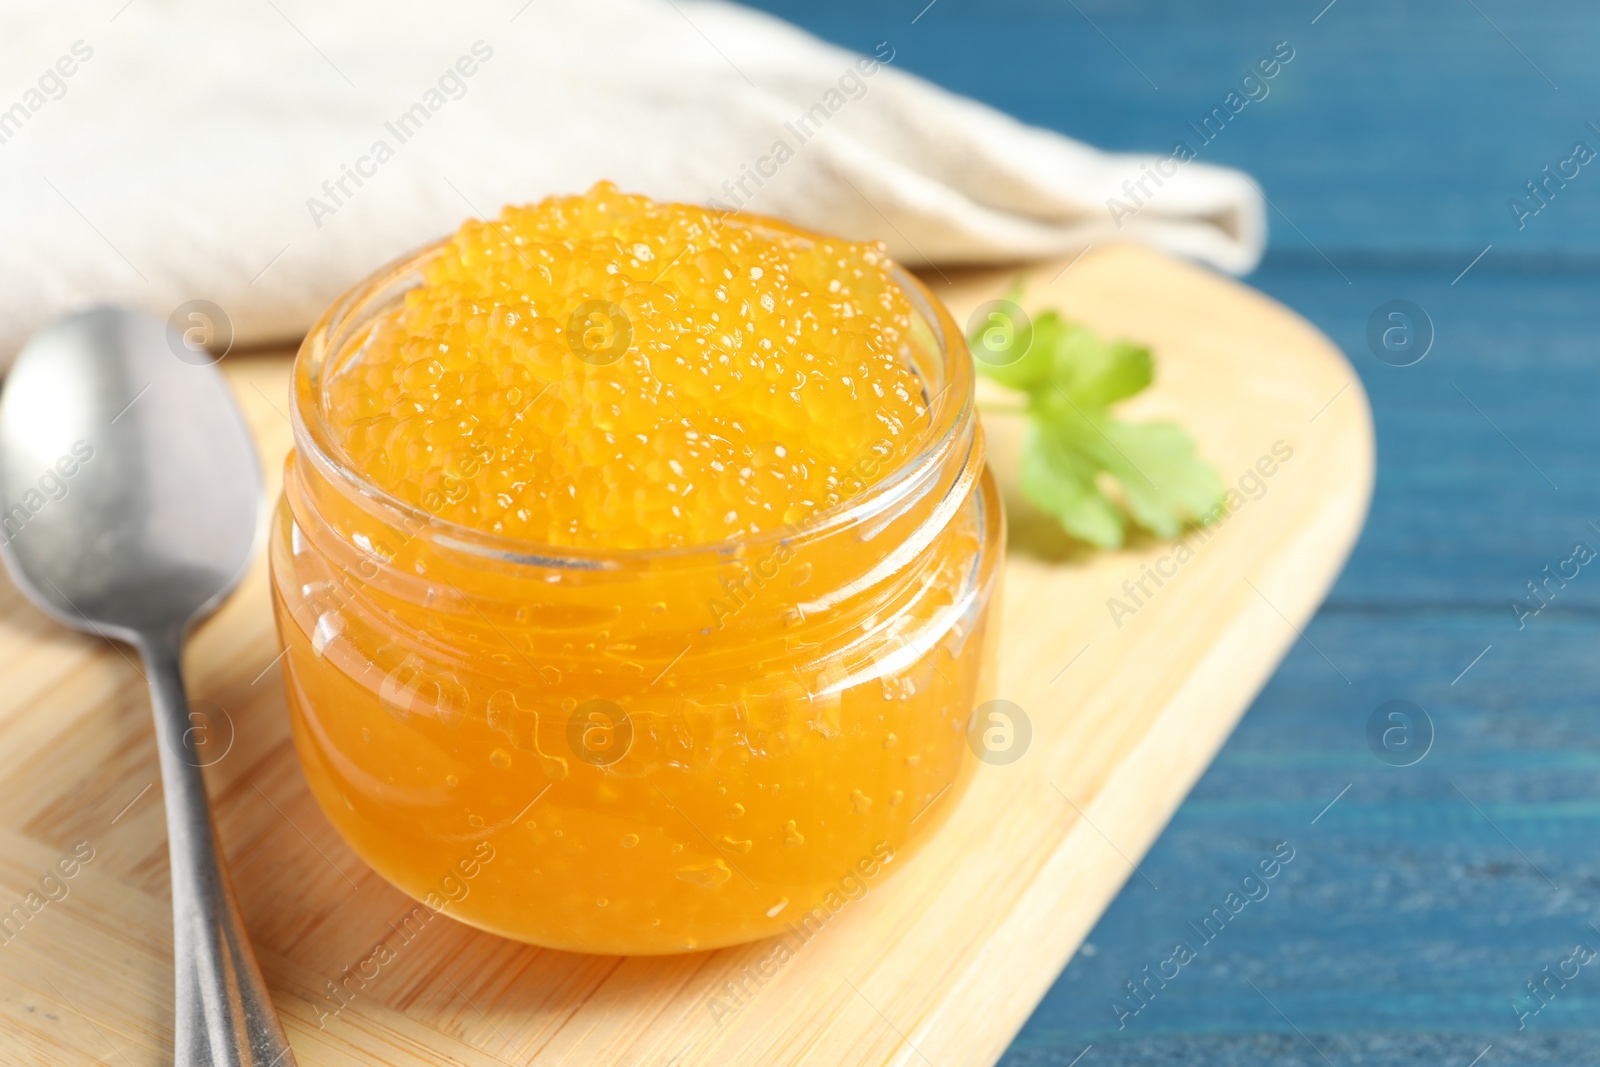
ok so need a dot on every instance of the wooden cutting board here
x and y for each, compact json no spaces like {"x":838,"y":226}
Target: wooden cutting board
{"x":940,"y":965}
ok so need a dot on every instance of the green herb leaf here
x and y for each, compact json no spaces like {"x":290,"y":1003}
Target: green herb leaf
{"x":1071,"y":377}
{"x":1060,"y":480}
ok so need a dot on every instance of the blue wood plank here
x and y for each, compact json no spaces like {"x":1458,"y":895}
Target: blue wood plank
{"x":1420,"y":903}
{"x":1474,"y":440}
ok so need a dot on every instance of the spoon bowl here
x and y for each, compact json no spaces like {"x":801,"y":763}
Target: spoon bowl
{"x":131,"y":489}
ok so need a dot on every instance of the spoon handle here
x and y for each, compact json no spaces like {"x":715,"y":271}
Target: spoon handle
{"x":224,"y":1015}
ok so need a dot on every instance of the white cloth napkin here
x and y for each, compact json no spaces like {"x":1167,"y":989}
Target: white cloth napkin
{"x":157,"y":152}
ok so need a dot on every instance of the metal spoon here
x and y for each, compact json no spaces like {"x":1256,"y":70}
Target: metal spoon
{"x":132,"y":499}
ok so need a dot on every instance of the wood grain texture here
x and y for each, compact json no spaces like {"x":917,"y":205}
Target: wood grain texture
{"x":942,"y":964}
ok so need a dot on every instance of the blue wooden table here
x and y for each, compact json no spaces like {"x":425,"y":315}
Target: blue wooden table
{"x":1420,"y":904}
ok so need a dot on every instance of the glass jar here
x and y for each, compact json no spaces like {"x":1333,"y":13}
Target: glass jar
{"x":642,"y":751}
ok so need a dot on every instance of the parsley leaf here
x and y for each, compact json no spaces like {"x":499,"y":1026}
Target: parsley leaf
{"x":1070,"y":377}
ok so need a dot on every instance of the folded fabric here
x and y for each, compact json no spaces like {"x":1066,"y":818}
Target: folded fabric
{"x":266,"y":154}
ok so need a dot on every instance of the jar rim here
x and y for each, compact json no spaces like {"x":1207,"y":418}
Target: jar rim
{"x":951,"y":417}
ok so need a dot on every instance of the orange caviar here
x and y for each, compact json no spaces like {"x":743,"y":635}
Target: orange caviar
{"x":727,"y":378}
{"x":634,"y":568}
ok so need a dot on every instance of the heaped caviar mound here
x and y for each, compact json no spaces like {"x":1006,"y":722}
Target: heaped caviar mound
{"x":608,"y":371}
